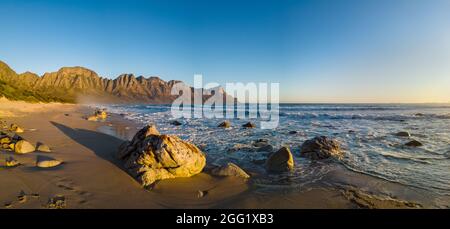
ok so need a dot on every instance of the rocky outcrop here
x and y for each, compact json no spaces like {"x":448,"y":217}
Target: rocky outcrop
{"x":321,"y":148}
{"x":230,"y":170}
{"x":150,"y":157}
{"x":280,"y":161}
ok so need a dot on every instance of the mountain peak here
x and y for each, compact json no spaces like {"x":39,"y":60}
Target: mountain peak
{"x":77,"y":71}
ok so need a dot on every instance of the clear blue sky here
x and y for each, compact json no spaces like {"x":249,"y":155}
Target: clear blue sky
{"x":318,"y":50}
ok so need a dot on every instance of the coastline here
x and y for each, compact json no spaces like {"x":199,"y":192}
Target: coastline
{"x":91,"y":177}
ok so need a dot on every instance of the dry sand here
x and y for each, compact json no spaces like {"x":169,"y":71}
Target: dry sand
{"x":92,"y":178}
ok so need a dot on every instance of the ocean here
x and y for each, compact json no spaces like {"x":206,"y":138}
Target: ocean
{"x":366,"y":132}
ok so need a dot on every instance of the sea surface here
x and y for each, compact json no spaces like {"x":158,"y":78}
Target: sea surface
{"x":366,"y":132}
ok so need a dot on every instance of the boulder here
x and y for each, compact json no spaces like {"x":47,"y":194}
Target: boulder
{"x":101,"y":114}
{"x":414,"y":143}
{"x":127,"y":147}
{"x":11,"y":162}
{"x":249,"y":125}
{"x":23,"y":147}
{"x":16,"y":128}
{"x":225,"y":124}
{"x":321,"y":148}
{"x":280,"y":161}
{"x":5,"y":140}
{"x":16,"y":138}
{"x":150,"y":156}
{"x":43,"y":148}
{"x":47,"y":162}
{"x":266,"y":148}
{"x":19,"y":130}
{"x":403,"y":134}
{"x":261,"y":142}
{"x":230,"y":170}
{"x":92,"y":118}
{"x":176,"y":123}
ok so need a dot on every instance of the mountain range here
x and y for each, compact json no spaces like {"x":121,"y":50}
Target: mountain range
{"x":82,"y":85}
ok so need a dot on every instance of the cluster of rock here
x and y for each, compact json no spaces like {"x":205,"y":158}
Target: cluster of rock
{"x":19,"y":145}
{"x":13,"y":127}
{"x":98,"y":114}
{"x":317,"y":148}
{"x":151,"y":156}
{"x":411,"y":143}
{"x":227,"y":124}
{"x":282,"y":159}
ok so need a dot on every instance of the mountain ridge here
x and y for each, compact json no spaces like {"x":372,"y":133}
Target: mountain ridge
{"x":82,"y":85}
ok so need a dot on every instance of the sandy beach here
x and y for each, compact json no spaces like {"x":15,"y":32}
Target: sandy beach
{"x":91,"y":176}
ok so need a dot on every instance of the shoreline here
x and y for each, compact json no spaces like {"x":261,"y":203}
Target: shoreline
{"x":91,"y":177}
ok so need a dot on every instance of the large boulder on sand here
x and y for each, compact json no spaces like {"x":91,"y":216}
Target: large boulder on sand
{"x":47,"y":162}
{"x":321,"y":148}
{"x":43,"y":148}
{"x":150,"y":156}
{"x":23,"y":147}
{"x":230,"y":170}
{"x":280,"y":161}
{"x":127,"y":147}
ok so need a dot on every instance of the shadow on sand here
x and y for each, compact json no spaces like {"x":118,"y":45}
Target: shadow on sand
{"x":103,"y":145}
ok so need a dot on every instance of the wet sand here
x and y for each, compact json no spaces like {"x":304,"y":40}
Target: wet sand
{"x":91,"y":177}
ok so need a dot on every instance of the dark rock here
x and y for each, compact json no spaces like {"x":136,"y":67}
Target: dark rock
{"x":403,"y":134}
{"x":249,"y":125}
{"x":266,"y":148}
{"x":176,"y":123}
{"x":414,"y":143}
{"x":280,"y":161}
{"x":261,"y":143}
{"x":321,"y":148}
